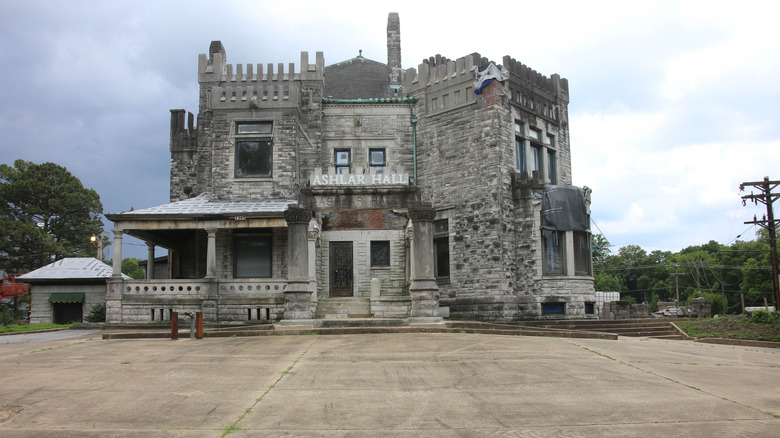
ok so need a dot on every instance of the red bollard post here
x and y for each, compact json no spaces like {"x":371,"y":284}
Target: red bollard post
{"x":199,"y":325}
{"x":174,"y":325}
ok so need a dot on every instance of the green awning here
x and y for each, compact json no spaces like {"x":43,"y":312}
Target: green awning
{"x":67,"y":298}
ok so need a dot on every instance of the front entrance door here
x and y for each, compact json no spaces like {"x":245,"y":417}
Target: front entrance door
{"x":341,"y":269}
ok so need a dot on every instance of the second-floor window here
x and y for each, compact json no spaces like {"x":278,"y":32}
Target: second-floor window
{"x":377,"y":159}
{"x":254,"y":149}
{"x":341,"y":160}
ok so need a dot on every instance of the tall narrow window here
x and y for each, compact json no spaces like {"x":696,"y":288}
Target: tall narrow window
{"x":536,"y":159}
{"x":552,"y":177}
{"x":341,"y":160}
{"x":377,"y":159}
{"x":441,"y":248}
{"x":254,"y":149}
{"x":553,"y":242}
{"x":520,"y":147}
{"x":582,"y":253}
{"x":252,"y":255}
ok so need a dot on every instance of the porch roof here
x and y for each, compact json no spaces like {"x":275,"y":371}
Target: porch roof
{"x":202,"y":206}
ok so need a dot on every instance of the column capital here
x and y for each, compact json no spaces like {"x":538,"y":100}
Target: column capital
{"x":422,"y":212}
{"x":297,"y":215}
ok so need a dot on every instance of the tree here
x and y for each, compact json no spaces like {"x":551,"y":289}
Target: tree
{"x":45,"y":214}
{"x":131,"y":268}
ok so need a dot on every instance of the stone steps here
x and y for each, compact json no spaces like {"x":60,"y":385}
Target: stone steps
{"x":650,"y":328}
{"x":340,"y":308}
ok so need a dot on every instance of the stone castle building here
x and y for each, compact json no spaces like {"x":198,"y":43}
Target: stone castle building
{"x":362,"y":189}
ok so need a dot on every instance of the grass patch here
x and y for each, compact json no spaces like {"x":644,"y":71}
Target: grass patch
{"x":17,"y":328}
{"x":732,"y":327}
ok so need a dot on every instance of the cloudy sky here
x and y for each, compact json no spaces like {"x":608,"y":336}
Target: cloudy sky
{"x":671,"y":102}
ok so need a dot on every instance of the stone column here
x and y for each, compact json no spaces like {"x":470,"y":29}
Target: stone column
{"x":211,"y":253}
{"x":423,"y":289}
{"x":150,"y":261}
{"x":117,"y":263}
{"x":115,"y":285}
{"x":210,"y":286}
{"x":297,"y":295}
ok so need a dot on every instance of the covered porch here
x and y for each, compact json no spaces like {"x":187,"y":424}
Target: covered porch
{"x":229,"y":260}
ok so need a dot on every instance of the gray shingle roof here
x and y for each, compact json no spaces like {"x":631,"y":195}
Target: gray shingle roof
{"x":202,"y":204}
{"x":71,"y":268}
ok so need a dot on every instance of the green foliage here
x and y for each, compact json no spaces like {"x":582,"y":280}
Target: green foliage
{"x":98,"y":314}
{"x":599,"y":247}
{"x":710,"y":270}
{"x":31,"y":327}
{"x":131,"y":268}
{"x":45,"y":214}
{"x":8,"y":316}
{"x":606,"y":282}
{"x":717,"y":301}
{"x":764,"y":317}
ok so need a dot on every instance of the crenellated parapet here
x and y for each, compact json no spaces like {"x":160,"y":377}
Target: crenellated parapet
{"x":439,"y":72}
{"x":445,"y":84}
{"x":536,"y":93}
{"x":226,"y":86}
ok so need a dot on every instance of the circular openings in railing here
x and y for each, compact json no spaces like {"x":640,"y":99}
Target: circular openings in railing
{"x":276,"y":287}
{"x":197,"y":288}
{"x":146,"y":288}
{"x":189,"y":287}
{"x":162,"y":288}
{"x":154,"y":288}
{"x":267,"y":287}
{"x":249,"y":287}
{"x":181,"y":288}
{"x":241,"y":287}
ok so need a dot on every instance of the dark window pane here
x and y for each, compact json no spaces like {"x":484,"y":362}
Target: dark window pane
{"x":582,"y":253}
{"x":254,"y":158}
{"x":380,"y":253}
{"x":442,"y":257}
{"x":553,"y":251}
{"x":553,"y":308}
{"x":252,"y":256}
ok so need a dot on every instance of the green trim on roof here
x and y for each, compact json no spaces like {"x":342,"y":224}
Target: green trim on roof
{"x":373,"y":100}
{"x":66,"y":298}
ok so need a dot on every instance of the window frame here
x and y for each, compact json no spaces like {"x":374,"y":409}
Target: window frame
{"x":376,"y":166}
{"x":441,"y":248}
{"x":549,"y":258}
{"x":266,"y":237}
{"x":374,"y":263}
{"x":582,"y":254}
{"x":264,"y":149}
{"x":552,"y":163}
{"x":337,"y":164}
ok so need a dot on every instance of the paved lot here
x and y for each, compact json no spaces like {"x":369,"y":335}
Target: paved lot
{"x":436,"y":385}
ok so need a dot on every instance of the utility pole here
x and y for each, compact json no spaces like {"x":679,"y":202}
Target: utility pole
{"x":677,"y":284}
{"x":766,"y":197}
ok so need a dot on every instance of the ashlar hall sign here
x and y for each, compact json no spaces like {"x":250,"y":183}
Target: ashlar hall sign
{"x":333,"y":179}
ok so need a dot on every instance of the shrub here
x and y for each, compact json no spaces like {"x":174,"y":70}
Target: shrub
{"x":98,"y":314}
{"x":764,"y":317}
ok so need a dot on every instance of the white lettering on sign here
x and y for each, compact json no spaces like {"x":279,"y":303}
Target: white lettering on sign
{"x":349,"y":179}
{"x":239,"y":218}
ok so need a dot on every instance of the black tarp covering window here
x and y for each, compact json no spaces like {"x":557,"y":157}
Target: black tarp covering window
{"x":563,"y":209}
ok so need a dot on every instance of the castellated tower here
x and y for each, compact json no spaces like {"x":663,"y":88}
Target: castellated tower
{"x":286,"y":101}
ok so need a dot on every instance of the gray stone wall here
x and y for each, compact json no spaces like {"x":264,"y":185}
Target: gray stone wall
{"x":41,"y":311}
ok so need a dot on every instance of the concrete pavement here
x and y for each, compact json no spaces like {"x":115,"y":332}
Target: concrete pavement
{"x":415,"y":384}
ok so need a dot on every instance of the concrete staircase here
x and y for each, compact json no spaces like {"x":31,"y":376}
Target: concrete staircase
{"x":660,"y":328}
{"x":340,"y":308}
